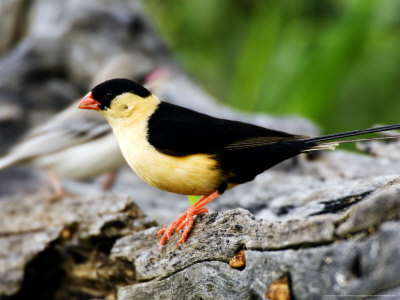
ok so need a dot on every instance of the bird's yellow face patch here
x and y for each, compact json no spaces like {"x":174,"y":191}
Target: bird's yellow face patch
{"x":122,"y":106}
{"x":128,"y":109}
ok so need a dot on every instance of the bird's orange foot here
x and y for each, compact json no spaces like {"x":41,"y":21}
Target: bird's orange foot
{"x":184,"y":221}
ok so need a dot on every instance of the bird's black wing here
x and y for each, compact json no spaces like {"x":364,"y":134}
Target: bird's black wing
{"x":179,"y":131}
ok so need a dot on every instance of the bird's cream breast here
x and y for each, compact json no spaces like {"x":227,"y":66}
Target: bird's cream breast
{"x":190,"y":175}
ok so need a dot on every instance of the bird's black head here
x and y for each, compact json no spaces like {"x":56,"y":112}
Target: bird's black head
{"x":105,"y":92}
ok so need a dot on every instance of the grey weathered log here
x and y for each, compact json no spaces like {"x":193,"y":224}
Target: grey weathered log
{"x":351,"y":248}
{"x":70,"y":232}
{"x":16,"y":250}
{"x":348,"y":254}
{"x":351,"y":269}
{"x":388,"y":150}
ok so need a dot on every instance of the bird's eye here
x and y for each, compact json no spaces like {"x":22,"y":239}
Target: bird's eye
{"x":109,"y":96}
{"x":125,"y":106}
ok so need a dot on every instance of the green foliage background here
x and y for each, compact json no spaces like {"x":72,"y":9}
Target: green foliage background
{"x":336,"y":62}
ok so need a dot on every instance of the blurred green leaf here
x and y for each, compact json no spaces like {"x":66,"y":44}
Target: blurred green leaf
{"x":193,"y":199}
{"x":336,"y":62}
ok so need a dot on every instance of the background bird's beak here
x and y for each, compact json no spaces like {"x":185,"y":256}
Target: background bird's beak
{"x":88,"y":102}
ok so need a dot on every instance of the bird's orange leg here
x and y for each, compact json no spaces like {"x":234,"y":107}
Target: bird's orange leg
{"x":186,"y":220}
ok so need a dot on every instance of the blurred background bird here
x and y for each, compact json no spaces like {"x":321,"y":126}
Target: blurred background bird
{"x":74,"y":144}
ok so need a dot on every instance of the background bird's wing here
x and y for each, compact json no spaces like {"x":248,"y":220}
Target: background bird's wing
{"x":70,"y":127}
{"x":178,"y":131}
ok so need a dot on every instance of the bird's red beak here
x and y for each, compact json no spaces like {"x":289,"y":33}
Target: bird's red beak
{"x":88,"y":102}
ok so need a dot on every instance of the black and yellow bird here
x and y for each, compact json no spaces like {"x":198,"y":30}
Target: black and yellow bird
{"x":186,"y":152}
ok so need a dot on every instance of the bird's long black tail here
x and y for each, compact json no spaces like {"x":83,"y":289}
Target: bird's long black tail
{"x":315,"y":142}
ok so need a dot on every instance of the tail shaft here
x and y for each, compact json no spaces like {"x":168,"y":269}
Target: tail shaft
{"x":334,"y":136}
{"x":316,"y":145}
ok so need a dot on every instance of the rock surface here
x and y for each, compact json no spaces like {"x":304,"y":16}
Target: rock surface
{"x":58,"y":249}
{"x":94,"y":246}
{"x":349,"y":253}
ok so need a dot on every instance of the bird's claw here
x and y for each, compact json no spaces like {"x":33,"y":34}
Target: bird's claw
{"x":184,"y":221}
{"x":161,"y":232}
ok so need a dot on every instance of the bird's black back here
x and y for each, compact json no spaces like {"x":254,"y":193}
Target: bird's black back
{"x":242,"y":150}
